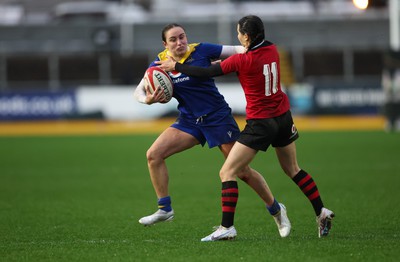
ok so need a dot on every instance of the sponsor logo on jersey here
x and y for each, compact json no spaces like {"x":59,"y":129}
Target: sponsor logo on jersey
{"x":174,"y":74}
{"x":180,"y":80}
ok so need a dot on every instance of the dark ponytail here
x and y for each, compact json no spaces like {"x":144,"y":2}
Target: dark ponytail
{"x":252,"y":26}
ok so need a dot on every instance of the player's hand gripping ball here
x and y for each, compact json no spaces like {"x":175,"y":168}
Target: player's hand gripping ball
{"x":156,"y":77}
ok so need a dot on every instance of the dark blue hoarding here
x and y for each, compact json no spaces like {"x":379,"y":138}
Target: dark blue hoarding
{"x":336,"y":99}
{"x":33,"y":105}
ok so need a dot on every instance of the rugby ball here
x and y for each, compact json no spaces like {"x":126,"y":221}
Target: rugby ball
{"x":156,"y":77}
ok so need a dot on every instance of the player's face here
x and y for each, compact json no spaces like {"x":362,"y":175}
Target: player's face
{"x":176,"y":41}
{"x":243,"y":38}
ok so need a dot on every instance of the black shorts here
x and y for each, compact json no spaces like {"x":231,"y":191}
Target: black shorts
{"x":259,"y":134}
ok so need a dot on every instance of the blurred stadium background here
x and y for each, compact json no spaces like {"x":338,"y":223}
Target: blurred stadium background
{"x":70,"y":67}
{"x":81,"y":59}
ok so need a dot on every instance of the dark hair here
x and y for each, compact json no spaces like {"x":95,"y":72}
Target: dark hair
{"x":252,"y":26}
{"x":168,"y":27}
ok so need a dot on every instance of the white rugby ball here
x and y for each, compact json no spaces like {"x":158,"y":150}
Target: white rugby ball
{"x":155,"y":77}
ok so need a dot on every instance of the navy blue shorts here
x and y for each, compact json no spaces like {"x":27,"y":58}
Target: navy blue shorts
{"x":259,"y":134}
{"x":215,"y":128}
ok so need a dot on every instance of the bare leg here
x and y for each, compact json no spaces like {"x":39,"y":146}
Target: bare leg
{"x":170,"y":142}
{"x":251,"y":177}
{"x":288,"y":159}
{"x":235,"y":165}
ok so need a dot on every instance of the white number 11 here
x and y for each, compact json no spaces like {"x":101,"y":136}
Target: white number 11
{"x":271,"y":71}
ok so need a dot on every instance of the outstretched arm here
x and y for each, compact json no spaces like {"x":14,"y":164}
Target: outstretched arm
{"x":228,"y":50}
{"x":197,"y":71}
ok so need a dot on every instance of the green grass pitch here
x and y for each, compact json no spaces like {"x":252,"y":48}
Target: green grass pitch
{"x":79,"y":198}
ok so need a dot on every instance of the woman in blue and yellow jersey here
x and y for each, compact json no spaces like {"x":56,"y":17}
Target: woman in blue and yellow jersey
{"x":204,"y":116}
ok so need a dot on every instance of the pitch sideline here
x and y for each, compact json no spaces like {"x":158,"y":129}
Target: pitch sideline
{"x":99,"y":127}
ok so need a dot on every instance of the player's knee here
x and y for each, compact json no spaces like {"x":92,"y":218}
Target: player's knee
{"x":226,"y":174}
{"x":153,"y":156}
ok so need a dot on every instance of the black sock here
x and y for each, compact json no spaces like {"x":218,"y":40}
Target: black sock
{"x":229,"y":198}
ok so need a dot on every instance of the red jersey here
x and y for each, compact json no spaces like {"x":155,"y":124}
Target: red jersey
{"x":259,"y":74}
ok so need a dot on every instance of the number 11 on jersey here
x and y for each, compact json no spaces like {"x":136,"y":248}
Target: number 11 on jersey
{"x":271,"y":72}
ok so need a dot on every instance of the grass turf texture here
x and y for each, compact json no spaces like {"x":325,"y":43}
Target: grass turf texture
{"x":78,"y":198}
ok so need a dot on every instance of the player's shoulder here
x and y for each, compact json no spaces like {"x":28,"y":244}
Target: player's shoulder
{"x":269,"y":45}
{"x":209,"y":50}
{"x":161,"y":56}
